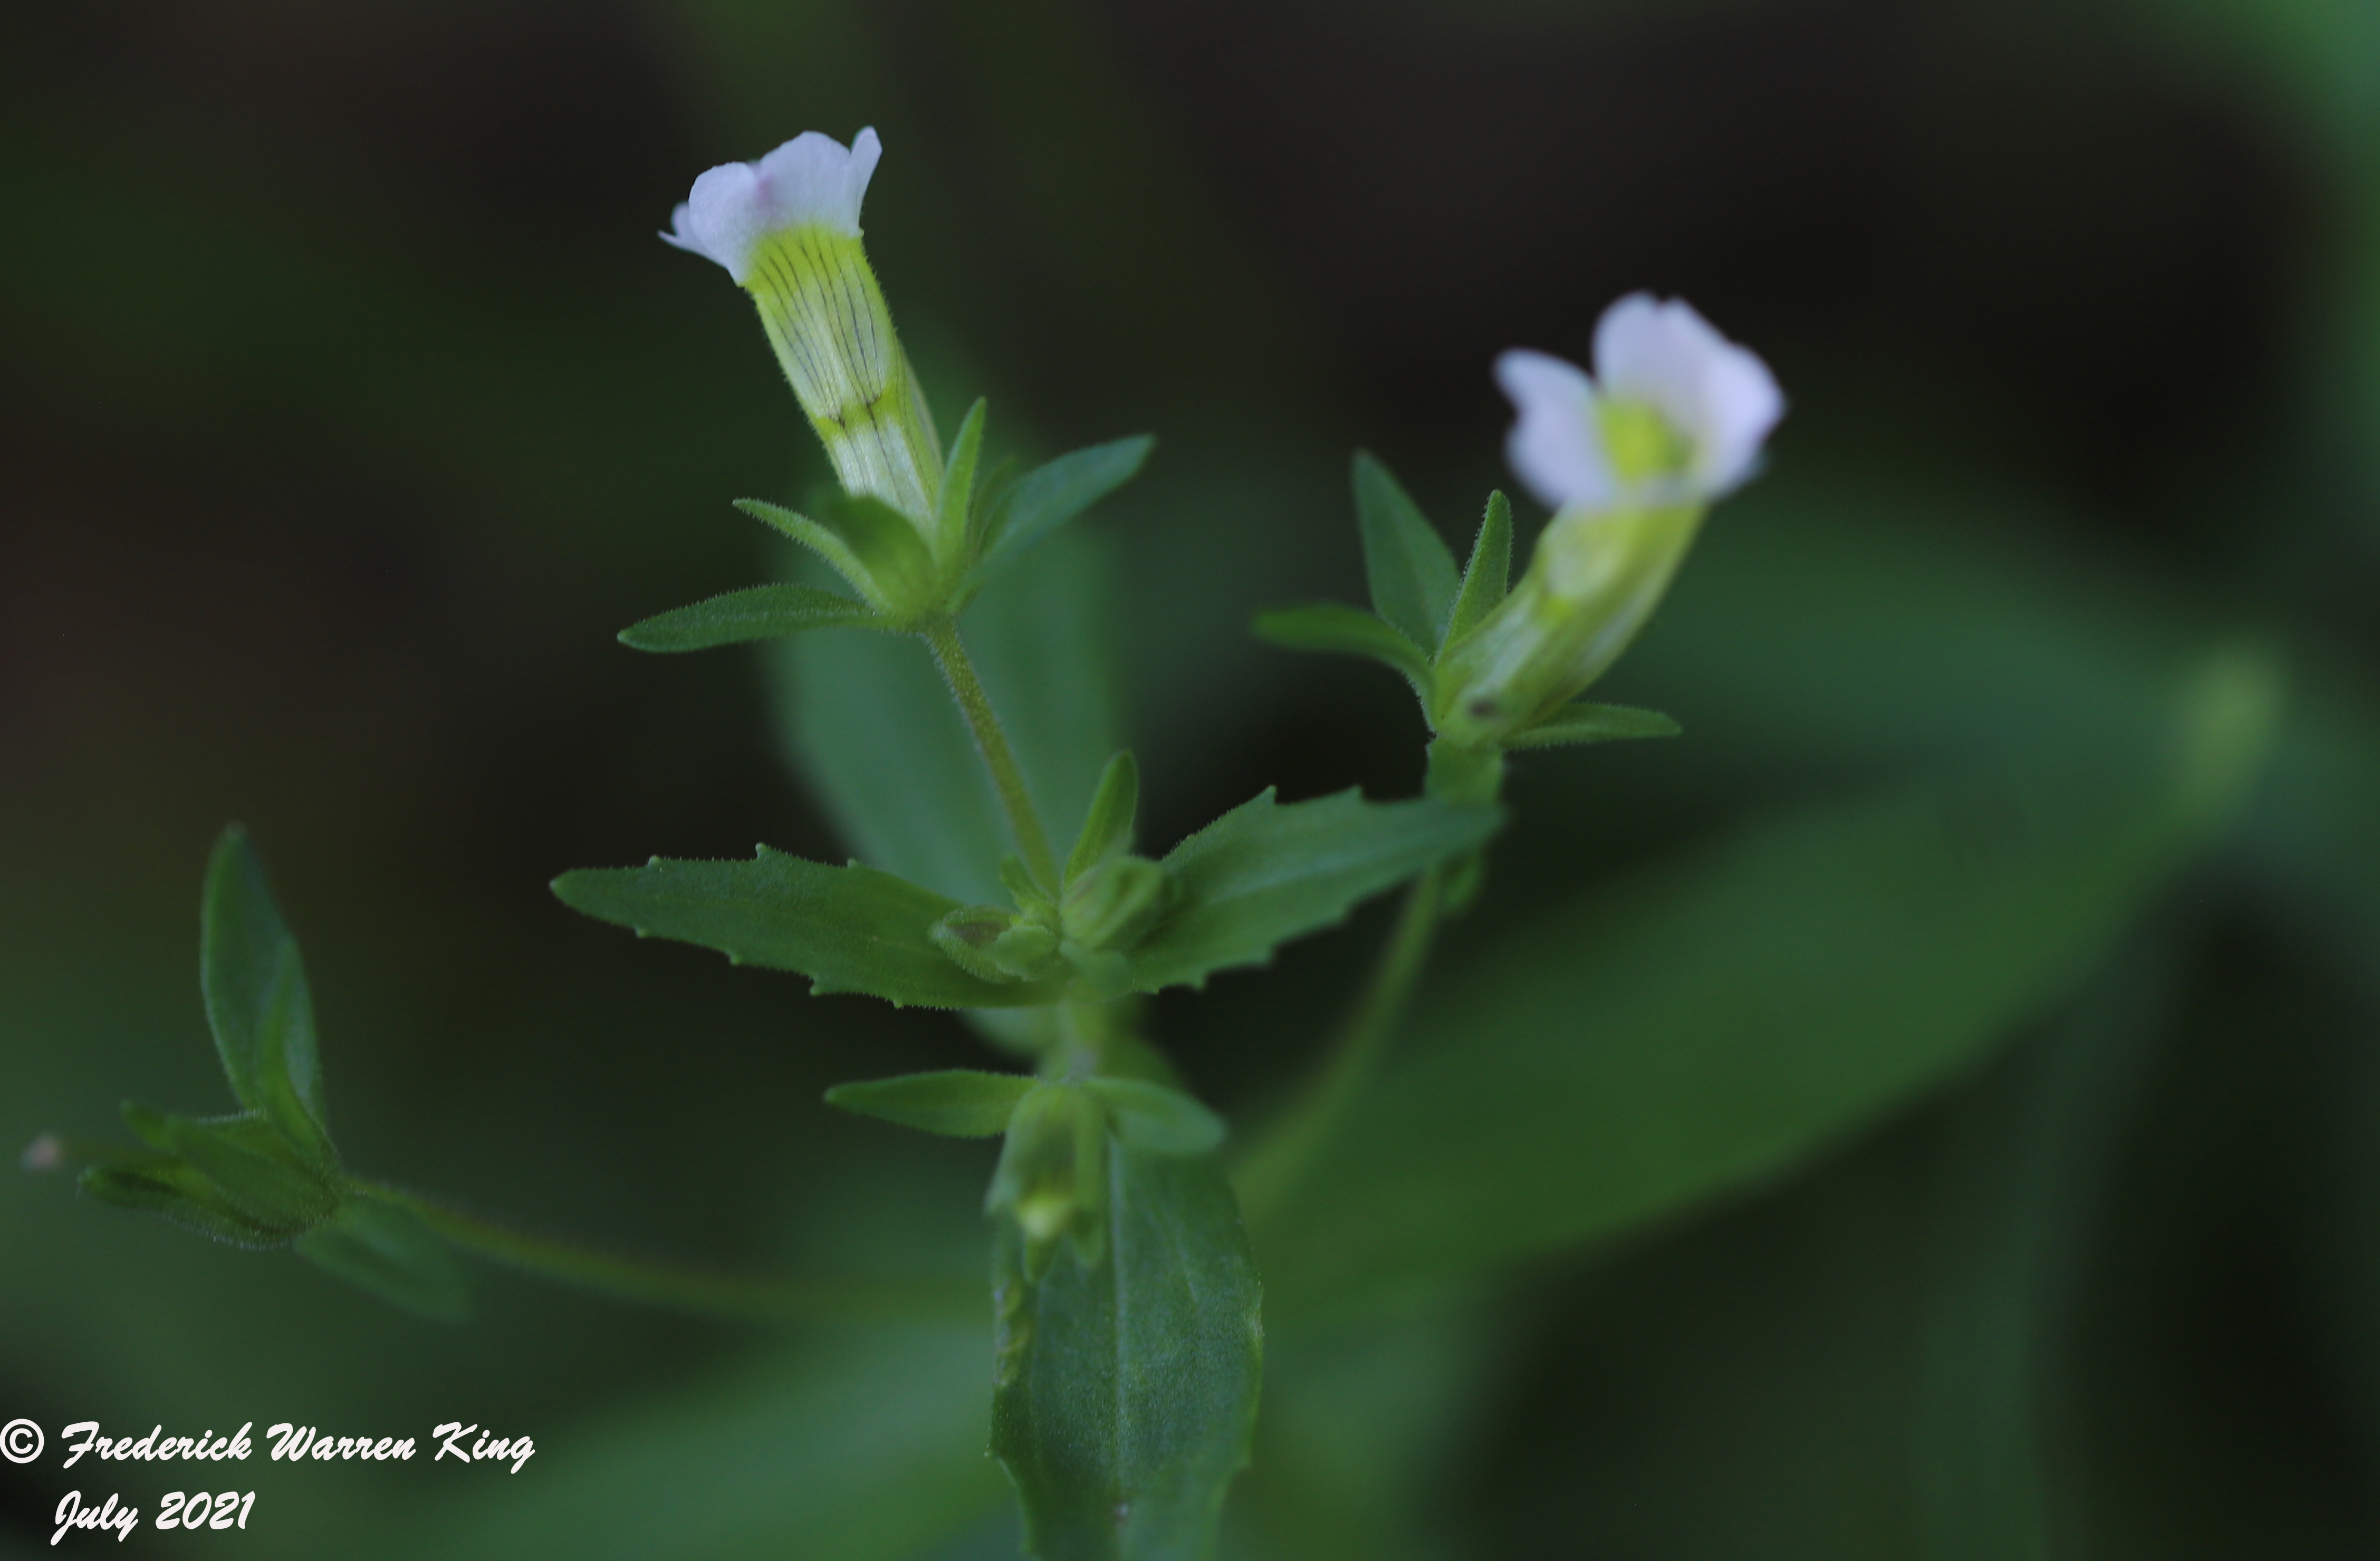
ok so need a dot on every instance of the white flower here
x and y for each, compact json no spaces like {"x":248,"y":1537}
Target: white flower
{"x":812,"y":180}
{"x":1583,"y":443}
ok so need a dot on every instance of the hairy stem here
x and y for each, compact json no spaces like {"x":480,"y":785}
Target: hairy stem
{"x":702,"y":1292}
{"x":1274,"y":1165}
{"x":991,"y":742}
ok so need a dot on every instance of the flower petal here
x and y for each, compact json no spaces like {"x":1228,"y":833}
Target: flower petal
{"x":1718,"y":395}
{"x":1556,"y":445}
{"x":812,"y":179}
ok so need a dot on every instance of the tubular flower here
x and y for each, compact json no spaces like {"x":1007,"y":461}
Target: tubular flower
{"x":787,"y":230}
{"x":1628,"y":460}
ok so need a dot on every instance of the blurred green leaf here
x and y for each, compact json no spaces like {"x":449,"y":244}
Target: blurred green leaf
{"x":1126,"y":1390}
{"x":1264,"y":873}
{"x":1593,"y":723}
{"x":163,"y":1185}
{"x":739,"y":617}
{"x":958,"y":1102}
{"x":1337,"y":629}
{"x":258,"y":1002}
{"x":1412,"y":573}
{"x":849,"y":929}
{"x":1718,"y":1019}
{"x":1155,"y":1120}
{"x":388,"y":1252}
{"x":1047,"y":497}
{"x":868,"y":723}
{"x":854,"y":1444}
{"x":256,"y":1170}
{"x":1487,"y":578}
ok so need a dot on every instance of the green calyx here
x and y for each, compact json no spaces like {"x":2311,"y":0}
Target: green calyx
{"x":1496,"y":665}
{"x":1591,"y":587}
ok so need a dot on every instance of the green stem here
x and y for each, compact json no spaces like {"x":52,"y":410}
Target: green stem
{"x":702,"y":1292}
{"x":991,"y":742}
{"x":1274,"y":1167}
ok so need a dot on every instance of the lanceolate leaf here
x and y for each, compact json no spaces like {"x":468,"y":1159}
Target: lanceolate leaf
{"x":1606,"y":1067}
{"x":1265,"y":873}
{"x":738,"y":617}
{"x":849,"y":929}
{"x":1049,"y":496}
{"x":257,"y":1003}
{"x":1125,"y":1392}
{"x":959,"y":1103}
{"x":1341,"y":630}
{"x":1157,"y":1119}
{"x":1412,"y":573}
{"x":1593,"y":723}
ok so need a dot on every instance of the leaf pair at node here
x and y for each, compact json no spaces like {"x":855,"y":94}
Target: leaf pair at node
{"x":1108,"y":899}
{"x":1423,"y":610}
{"x":908,"y":571}
{"x":1259,"y":876}
{"x":1052,"y":1182}
{"x":270,"y":1176}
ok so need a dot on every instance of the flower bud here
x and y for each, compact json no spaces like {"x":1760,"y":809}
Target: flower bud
{"x":787,"y":230}
{"x":995,"y":945}
{"x":1113,"y":904}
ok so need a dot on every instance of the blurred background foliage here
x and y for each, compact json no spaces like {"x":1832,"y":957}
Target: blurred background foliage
{"x":350,"y":407}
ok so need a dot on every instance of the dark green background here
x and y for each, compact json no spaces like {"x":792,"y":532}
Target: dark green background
{"x":349,"y":407}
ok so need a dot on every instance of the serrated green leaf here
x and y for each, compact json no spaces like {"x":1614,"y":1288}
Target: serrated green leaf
{"x":1265,"y":873}
{"x":387,"y":1251}
{"x":740,"y":617}
{"x":1049,"y":496}
{"x":1412,"y":573}
{"x":1488,"y":577}
{"x":849,"y":929}
{"x":1720,"y":1019}
{"x":1334,"y":628}
{"x":1126,"y":1390}
{"x":258,"y":1171}
{"x":1106,"y":829}
{"x":957,"y":1103}
{"x":868,"y":542}
{"x":257,"y":1003}
{"x":1155,"y":1120}
{"x":1584,"y":722}
{"x":957,"y":496}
